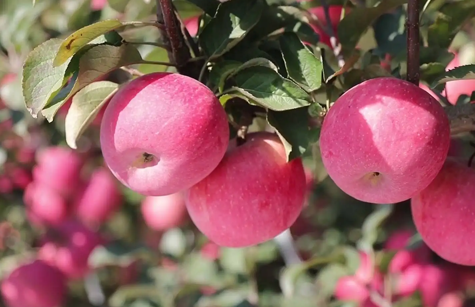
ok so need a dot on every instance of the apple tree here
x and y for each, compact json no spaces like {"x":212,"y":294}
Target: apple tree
{"x":237,"y":153}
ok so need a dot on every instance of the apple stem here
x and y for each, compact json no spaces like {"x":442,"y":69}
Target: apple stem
{"x":94,"y":291}
{"x":412,"y":25}
{"x":288,"y":251}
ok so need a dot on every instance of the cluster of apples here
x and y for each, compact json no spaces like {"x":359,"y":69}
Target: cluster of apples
{"x":409,"y":271}
{"x":166,"y":133}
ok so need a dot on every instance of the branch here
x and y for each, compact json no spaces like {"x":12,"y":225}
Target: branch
{"x":462,"y":118}
{"x":336,"y":46}
{"x":412,"y":25}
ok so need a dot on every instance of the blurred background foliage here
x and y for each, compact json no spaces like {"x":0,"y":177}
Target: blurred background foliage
{"x":140,"y":267}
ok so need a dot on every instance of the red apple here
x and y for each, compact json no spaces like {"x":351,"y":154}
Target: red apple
{"x":69,"y":247}
{"x":451,"y":299}
{"x":374,"y":151}
{"x":6,"y":184}
{"x":348,"y":288}
{"x":443,"y":213}
{"x":428,"y":90}
{"x":408,"y":280}
{"x":164,"y":212}
{"x":97,"y":5}
{"x":192,"y":25}
{"x":434,"y":283}
{"x":252,"y":196}
{"x":35,"y":284}
{"x":403,"y":257}
{"x":44,"y":205}
{"x":211,"y":251}
{"x":336,"y":14}
{"x":100,"y":199}
{"x":162,"y":133}
{"x":60,"y":169}
{"x":453,"y":89}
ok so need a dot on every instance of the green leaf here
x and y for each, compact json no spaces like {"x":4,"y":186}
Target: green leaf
{"x":116,"y":253}
{"x":118,"y":5}
{"x":40,"y":78}
{"x":84,"y":108}
{"x":390,"y":32}
{"x":209,"y":7}
{"x":302,"y":65}
{"x":157,"y":55}
{"x":292,"y":128}
{"x":231,"y":23}
{"x":372,"y":224}
{"x":94,"y":63}
{"x":464,"y":72}
{"x":359,"y":19}
{"x":450,"y":18}
{"x":74,"y":42}
{"x":221,"y":71}
{"x":233,"y":260}
{"x":269,"y":89}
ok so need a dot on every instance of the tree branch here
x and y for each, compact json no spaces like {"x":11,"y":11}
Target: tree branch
{"x":462,"y":118}
{"x":412,"y":25}
{"x":335,"y":45}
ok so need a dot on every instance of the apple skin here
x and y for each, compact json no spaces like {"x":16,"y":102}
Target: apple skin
{"x":100,"y":199}
{"x":69,"y":247}
{"x":434,"y":283}
{"x":454,"y":89}
{"x":161,"y":213}
{"x":162,"y":133}
{"x":44,"y":205}
{"x":374,"y":151}
{"x":451,"y":299}
{"x":349,"y":288}
{"x":443,"y":213}
{"x":60,"y":169}
{"x":335,"y":12}
{"x":34,"y":284}
{"x":252,"y":196}
{"x":192,"y":25}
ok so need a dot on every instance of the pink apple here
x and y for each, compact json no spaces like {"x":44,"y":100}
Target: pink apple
{"x":163,"y":132}
{"x":44,"y":205}
{"x":336,"y":14}
{"x":428,"y":90}
{"x":408,"y":281}
{"x":98,"y":5}
{"x":451,"y":299}
{"x":69,"y":247}
{"x":164,"y":212}
{"x":348,"y":288}
{"x":374,"y":151}
{"x":211,"y":251}
{"x":60,"y":169}
{"x":403,"y":257}
{"x":453,"y":89}
{"x":434,"y":283}
{"x":35,"y":284}
{"x":192,"y":25}
{"x":21,"y":177}
{"x":443,"y":213}
{"x":6,"y":184}
{"x":100,"y":199}
{"x":252,"y":196}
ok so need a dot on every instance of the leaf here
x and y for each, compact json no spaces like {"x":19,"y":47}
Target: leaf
{"x":84,"y":108}
{"x":450,"y":18}
{"x":40,"y":78}
{"x":116,"y":253}
{"x":464,"y":72}
{"x":269,"y":89}
{"x":94,"y":63}
{"x":74,"y":42}
{"x":118,"y":5}
{"x":208,"y":6}
{"x":233,"y":260}
{"x":292,"y":128}
{"x":302,"y":65}
{"x":221,"y":71}
{"x":390,"y":32}
{"x":372,"y":224}
{"x":157,"y":55}
{"x":231,"y":23}
{"x":359,"y":19}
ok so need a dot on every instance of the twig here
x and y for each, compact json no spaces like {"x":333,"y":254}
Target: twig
{"x":158,"y":63}
{"x":412,"y":24}
{"x":287,"y":249}
{"x":165,"y":46}
{"x":461,"y":117}
{"x":133,"y":71}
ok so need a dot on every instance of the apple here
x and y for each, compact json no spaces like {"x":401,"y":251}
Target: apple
{"x":21,"y":177}
{"x":349,"y":288}
{"x":97,"y":5}
{"x":6,"y":184}
{"x":451,"y":299}
{"x":164,"y":212}
{"x":211,"y":251}
{"x":252,"y":196}
{"x":453,"y":89}
{"x":428,"y":90}
{"x":336,"y":14}
{"x":408,"y":280}
{"x":44,"y":205}
{"x":434,"y":283}
{"x":34,"y":284}
{"x":68,"y":247}
{"x":192,"y":25}
{"x":404,"y":257}
{"x":443,"y":213}
{"x":60,"y":169}
{"x":162,"y":133}
{"x":100,"y":198}
{"x":374,"y":151}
